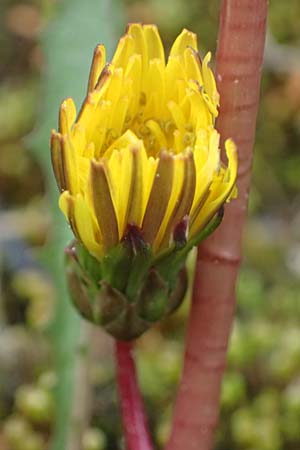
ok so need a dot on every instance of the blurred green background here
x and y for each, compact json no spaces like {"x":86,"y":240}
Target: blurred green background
{"x":45,"y":51}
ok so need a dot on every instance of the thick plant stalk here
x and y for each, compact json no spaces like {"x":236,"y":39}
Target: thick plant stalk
{"x":239,"y":63}
{"x":134,"y":420}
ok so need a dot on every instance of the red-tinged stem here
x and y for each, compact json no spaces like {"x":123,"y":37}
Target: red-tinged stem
{"x":239,"y":63}
{"x":132,"y":410}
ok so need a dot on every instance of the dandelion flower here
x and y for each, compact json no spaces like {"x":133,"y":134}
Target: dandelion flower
{"x":139,"y":169}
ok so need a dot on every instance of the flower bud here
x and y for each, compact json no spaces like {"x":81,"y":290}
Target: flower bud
{"x":140,"y":178}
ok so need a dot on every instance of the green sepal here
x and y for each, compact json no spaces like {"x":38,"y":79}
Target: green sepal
{"x":88,"y":263}
{"x":141,"y":257}
{"x":153,"y":298}
{"x":82,"y":287}
{"x":116,"y":266}
{"x":140,"y":265}
{"x":105,"y":305}
{"x":177,"y":295}
{"x":129,"y":289}
{"x":111,"y":304}
{"x":169,"y":263}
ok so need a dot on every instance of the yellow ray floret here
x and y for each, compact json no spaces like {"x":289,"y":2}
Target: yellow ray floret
{"x":143,"y":149}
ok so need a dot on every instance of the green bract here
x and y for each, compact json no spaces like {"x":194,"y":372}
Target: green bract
{"x":130,"y":289}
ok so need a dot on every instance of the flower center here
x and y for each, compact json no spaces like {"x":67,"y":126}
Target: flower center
{"x":156,"y":134}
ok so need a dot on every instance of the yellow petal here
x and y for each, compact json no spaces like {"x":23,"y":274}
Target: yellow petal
{"x":158,"y":134}
{"x":143,"y":172}
{"x":85,"y":116}
{"x":126,"y":140}
{"x":103,"y":204}
{"x":81,"y":221}
{"x":66,"y":204}
{"x":205,"y":174}
{"x":103,"y":78}
{"x":118,"y":119}
{"x":155,"y":85}
{"x":213,"y":201}
{"x":159,"y":197}
{"x":67,"y":115}
{"x":174,"y":71}
{"x":83,"y":169}
{"x":98,"y":64}
{"x":134,"y":73}
{"x":140,"y":46}
{"x":209,"y":81}
{"x":113,"y":167}
{"x":123,"y":51}
{"x":113,"y":86}
{"x":70,"y":164}
{"x":63,"y":203}
{"x":78,"y":139}
{"x":177,"y":185}
{"x":199,"y":113}
{"x":192,"y":65}
{"x":56,"y":158}
{"x":177,"y":115}
{"x":85,"y":226}
{"x":100,"y":119}
{"x":125,"y":184}
{"x":184,"y":40}
{"x":155,"y":47}
{"x":180,"y":206}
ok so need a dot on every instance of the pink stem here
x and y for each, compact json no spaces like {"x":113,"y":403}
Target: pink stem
{"x":239,"y":63}
{"x":132,"y":410}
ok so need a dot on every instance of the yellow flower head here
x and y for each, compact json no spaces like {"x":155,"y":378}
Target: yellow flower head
{"x":143,"y":149}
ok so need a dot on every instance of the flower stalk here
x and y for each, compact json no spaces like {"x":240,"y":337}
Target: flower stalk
{"x":131,"y":403}
{"x":239,"y":63}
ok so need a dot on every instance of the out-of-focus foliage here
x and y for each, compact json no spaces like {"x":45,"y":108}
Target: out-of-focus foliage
{"x":261,"y":389}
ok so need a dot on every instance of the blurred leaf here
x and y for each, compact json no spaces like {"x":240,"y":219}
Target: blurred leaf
{"x":68,"y":45}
